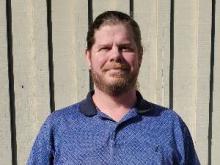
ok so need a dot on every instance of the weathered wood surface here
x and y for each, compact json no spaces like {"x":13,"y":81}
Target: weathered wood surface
{"x":31,"y":77}
{"x":5,"y":135}
{"x":70,"y":24}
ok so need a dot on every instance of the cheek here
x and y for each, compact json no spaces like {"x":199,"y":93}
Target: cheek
{"x":98,"y":63}
{"x":132,"y":61}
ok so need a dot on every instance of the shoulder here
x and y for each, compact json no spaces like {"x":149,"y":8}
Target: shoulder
{"x":154,"y":111}
{"x":68,"y":111}
{"x":167,"y":122}
{"x":161,"y":111}
{"x":166,"y":115}
{"x":60,"y":116}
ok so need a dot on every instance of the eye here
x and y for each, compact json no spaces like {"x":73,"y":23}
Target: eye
{"x":126,"y":49}
{"x":104,"y":49}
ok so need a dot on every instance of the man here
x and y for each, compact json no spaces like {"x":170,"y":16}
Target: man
{"x":114,"y":124}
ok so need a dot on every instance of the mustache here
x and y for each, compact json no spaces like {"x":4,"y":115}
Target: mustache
{"x":122,"y":66}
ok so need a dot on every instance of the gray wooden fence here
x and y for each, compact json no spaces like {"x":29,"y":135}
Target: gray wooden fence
{"x":42,"y":64}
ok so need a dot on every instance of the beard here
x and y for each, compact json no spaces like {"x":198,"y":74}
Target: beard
{"x":119,"y":82}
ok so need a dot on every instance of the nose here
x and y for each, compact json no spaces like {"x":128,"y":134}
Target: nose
{"x":115,"y":54}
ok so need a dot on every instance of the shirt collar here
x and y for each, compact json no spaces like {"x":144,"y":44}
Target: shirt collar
{"x":88,"y":108}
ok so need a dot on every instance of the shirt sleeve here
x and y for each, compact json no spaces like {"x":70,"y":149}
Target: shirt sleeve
{"x":186,"y":149}
{"x":42,"y":152}
{"x":190,"y":153}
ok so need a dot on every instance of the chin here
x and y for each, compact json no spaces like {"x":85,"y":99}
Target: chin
{"x":115,"y":81}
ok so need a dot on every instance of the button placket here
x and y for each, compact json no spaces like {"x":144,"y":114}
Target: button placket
{"x":112,"y":141}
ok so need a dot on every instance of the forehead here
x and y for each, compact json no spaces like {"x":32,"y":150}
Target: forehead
{"x":113,"y":31}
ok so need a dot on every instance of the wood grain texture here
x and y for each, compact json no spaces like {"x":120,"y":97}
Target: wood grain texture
{"x":31,"y":80}
{"x":5,"y":135}
{"x":216,"y":93}
{"x":70,"y":24}
{"x":154,"y":20}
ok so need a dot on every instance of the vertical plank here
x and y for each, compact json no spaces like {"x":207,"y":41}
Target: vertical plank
{"x":154,"y":20}
{"x":101,"y":6}
{"x":190,"y":85}
{"x":185,"y":61}
{"x":216,"y":93}
{"x":31,"y":80}
{"x":191,"y":69}
{"x":5,"y":136}
{"x":203,"y":78}
{"x":70,"y":24}
{"x":163,"y":53}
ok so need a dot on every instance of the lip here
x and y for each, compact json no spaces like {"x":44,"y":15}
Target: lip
{"x":116,"y":70}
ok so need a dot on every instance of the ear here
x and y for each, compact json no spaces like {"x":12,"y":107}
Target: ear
{"x":88,"y":58}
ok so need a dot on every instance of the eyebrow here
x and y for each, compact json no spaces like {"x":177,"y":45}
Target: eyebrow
{"x":126,"y":44}
{"x":101,"y":45}
{"x":122,"y":44}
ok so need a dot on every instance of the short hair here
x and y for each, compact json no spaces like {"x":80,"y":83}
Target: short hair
{"x":114,"y":17}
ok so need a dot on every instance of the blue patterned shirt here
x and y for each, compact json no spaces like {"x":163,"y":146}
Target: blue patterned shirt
{"x":82,"y":134}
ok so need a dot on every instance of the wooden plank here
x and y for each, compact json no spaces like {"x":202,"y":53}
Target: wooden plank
{"x":216,"y":95}
{"x":154,"y":20}
{"x":185,"y":62}
{"x":5,"y":136}
{"x":203,"y":78}
{"x":101,"y":6}
{"x":31,"y":77}
{"x":163,"y":53}
{"x":70,"y":24}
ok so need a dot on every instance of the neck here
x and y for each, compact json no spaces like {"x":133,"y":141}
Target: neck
{"x":114,"y":106}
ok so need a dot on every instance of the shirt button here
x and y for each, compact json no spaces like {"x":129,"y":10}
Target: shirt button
{"x":112,"y":137}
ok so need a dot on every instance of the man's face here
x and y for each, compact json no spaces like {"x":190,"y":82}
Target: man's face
{"x":114,"y":59}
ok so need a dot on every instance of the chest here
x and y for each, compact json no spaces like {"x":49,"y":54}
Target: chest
{"x":113,"y":144}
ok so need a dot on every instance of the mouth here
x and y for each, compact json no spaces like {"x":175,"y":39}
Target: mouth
{"x":116,"y":67}
{"x":116,"y":70}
